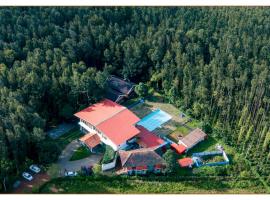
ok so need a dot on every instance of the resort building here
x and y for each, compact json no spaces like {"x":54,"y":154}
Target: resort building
{"x":112,"y":123}
{"x":141,"y":161}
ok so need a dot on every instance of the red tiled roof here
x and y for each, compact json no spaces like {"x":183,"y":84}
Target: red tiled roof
{"x":147,"y":139}
{"x":185,"y":162}
{"x":179,"y":148}
{"x":112,"y":119}
{"x":120,"y":127}
{"x":140,"y":157}
{"x":91,"y":140}
{"x":97,"y":113}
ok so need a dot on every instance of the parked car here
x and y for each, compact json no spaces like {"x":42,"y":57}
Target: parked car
{"x":27,"y":176}
{"x":70,"y":173}
{"x":34,"y":168}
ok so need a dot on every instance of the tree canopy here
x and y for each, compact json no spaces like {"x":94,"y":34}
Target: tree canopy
{"x":212,"y":62}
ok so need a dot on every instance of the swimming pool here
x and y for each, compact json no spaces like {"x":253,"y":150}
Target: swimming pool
{"x":154,"y":120}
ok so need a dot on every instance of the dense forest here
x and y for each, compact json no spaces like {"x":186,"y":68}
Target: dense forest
{"x":214,"y":63}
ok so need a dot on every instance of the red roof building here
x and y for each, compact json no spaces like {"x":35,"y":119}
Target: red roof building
{"x":185,"y":162}
{"x":114,"y":124}
{"x":145,"y":159}
{"x":91,"y":140}
{"x":99,"y":112}
{"x":147,"y":139}
{"x":179,"y":148}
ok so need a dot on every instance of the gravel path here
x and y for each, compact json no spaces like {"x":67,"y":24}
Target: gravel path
{"x":66,"y":154}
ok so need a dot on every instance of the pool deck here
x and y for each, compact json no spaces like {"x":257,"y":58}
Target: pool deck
{"x":154,"y":120}
{"x":149,"y":106}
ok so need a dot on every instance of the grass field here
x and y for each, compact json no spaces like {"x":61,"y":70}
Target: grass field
{"x":80,"y":153}
{"x":151,"y":185}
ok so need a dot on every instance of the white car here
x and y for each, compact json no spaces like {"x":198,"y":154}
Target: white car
{"x":27,"y":176}
{"x":70,"y":173}
{"x":34,"y":168}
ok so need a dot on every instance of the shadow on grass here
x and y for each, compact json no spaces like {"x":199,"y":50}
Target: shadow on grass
{"x":206,"y":145}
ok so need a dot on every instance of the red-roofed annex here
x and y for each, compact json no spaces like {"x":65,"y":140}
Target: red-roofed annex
{"x":147,"y":139}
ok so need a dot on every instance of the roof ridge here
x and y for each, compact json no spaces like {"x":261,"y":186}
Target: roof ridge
{"x":124,"y":108}
{"x":126,"y":158}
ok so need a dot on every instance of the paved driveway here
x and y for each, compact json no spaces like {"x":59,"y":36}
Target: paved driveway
{"x":66,"y":154}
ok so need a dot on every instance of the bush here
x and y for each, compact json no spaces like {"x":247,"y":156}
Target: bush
{"x":109,"y":155}
{"x":97,"y":169}
{"x":170,"y":159}
{"x":207,"y":128}
{"x":142,"y":90}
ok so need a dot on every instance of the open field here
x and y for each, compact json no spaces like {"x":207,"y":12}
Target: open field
{"x":161,"y":184}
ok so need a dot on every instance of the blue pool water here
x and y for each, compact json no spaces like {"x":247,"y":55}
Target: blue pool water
{"x":154,"y":120}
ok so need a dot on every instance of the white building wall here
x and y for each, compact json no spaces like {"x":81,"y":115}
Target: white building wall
{"x":106,"y":140}
{"x":110,"y":165}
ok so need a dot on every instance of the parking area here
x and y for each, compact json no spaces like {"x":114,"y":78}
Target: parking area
{"x":28,"y":186}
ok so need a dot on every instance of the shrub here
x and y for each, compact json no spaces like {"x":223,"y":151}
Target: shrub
{"x":170,"y":159}
{"x":207,"y":128}
{"x":109,"y":155}
{"x":142,"y":90}
{"x":97,"y":169}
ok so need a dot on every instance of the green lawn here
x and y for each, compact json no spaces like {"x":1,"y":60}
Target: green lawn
{"x":81,"y":153}
{"x":180,"y":131}
{"x":146,"y":185}
{"x":207,"y":145}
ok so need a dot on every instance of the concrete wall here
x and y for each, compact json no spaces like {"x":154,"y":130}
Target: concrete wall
{"x":109,"y":166}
